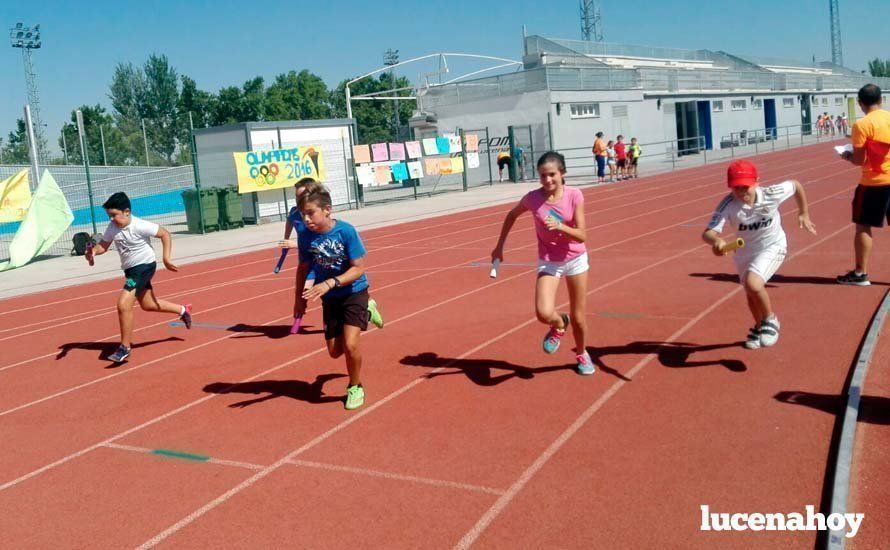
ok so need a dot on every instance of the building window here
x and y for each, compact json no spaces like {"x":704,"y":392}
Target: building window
{"x":717,"y":106}
{"x":739,"y":105}
{"x":619,"y":110}
{"x":585,"y":110}
{"x":824,"y":101}
{"x":787,"y":102}
{"x":838,"y":101}
{"x":757,"y":104}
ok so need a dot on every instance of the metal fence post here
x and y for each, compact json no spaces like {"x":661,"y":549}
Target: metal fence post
{"x":197,"y":181}
{"x":488,"y":145}
{"x":86,"y":166}
{"x":463,"y":156}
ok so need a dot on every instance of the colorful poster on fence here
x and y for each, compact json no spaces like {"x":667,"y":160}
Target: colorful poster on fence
{"x":396,"y":151}
{"x":432,"y":167}
{"x":430,"y":147}
{"x":15,"y":196}
{"x":47,"y":219}
{"x":443,"y":144}
{"x":278,"y":168}
{"x":454,"y":144}
{"x":365,"y":175}
{"x":415,"y":170}
{"x":457,"y":165}
{"x":472,"y":142}
{"x":472,"y":160}
{"x":413,"y":149}
{"x":399,"y":171}
{"x":382,"y":174}
{"x":379,"y":152}
{"x":361,"y":154}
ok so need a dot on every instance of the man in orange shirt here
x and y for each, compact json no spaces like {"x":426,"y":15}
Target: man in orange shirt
{"x":871,"y":204}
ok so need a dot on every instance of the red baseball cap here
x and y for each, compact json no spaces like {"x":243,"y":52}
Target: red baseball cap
{"x":741,"y":173}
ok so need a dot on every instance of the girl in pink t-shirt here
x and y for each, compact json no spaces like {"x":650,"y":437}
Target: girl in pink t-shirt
{"x":558,"y":212}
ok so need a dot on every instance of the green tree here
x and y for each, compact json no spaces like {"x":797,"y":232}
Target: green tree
{"x":15,"y":151}
{"x":159,"y":108}
{"x":98,"y":124}
{"x":227,"y":107}
{"x":127,"y":93}
{"x":298,"y":96}
{"x":879,"y":68}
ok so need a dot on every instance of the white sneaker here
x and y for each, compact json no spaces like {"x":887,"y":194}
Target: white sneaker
{"x":753,"y":341}
{"x":769,"y":332}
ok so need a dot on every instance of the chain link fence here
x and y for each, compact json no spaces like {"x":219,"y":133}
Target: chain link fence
{"x":156,"y":195}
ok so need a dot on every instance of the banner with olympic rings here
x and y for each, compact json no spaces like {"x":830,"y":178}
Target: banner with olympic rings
{"x":278,"y":168}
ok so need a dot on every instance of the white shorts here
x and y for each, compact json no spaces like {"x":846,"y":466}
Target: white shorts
{"x":575,"y":266}
{"x":764,"y":263}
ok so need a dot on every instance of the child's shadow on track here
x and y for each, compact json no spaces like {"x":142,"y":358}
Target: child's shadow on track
{"x":274,"y":332}
{"x":872,"y":409}
{"x":477,"y":370}
{"x":294,"y":389}
{"x":107,"y":348}
{"x":670,"y":354}
{"x":778,"y":278}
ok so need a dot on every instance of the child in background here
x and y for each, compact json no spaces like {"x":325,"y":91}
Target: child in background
{"x":131,"y":237}
{"x":621,"y":157}
{"x":633,"y":157}
{"x":558,"y":212}
{"x":610,"y":159}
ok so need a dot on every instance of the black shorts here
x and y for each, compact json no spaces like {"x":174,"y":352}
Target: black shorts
{"x":349,"y":310}
{"x":633,"y":161}
{"x":138,"y":277}
{"x":503,"y":162}
{"x":871,"y":205}
{"x":622,"y":163}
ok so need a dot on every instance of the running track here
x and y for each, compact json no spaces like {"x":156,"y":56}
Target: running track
{"x":470,"y":436}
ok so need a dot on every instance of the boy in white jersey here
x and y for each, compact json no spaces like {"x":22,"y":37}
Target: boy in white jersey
{"x":132,"y":238}
{"x":753,"y":213}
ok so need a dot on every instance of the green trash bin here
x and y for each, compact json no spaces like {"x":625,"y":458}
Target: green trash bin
{"x":230,"y":213}
{"x":210,"y":206}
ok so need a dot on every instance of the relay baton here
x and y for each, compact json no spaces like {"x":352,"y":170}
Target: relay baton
{"x":281,"y":259}
{"x":494,"y":269}
{"x":731,"y":246}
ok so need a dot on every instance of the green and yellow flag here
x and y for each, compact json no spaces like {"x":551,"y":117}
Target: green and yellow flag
{"x":47,"y":219}
{"x":15,"y":196}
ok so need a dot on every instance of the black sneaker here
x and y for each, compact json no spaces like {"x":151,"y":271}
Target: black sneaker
{"x":120,"y":355}
{"x":753,"y":340}
{"x":186,"y":316}
{"x":851,"y":278}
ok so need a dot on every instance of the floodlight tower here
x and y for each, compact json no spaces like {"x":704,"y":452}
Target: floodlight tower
{"x":837,"y":50}
{"x":28,"y":38}
{"x":391,"y":57}
{"x":591,"y":20}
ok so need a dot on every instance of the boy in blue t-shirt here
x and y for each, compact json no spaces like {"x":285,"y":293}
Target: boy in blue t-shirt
{"x":333,"y":250}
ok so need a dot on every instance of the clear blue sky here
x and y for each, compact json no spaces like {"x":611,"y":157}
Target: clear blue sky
{"x":223,"y":42}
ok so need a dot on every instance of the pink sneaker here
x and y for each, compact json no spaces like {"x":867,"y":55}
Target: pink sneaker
{"x":585,"y":364}
{"x":554,"y":336}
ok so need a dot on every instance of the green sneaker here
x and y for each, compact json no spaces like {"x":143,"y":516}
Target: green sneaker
{"x":355,"y":397}
{"x":373,"y":314}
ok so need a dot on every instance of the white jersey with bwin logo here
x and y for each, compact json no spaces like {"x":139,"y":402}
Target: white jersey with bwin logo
{"x":760,"y":224}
